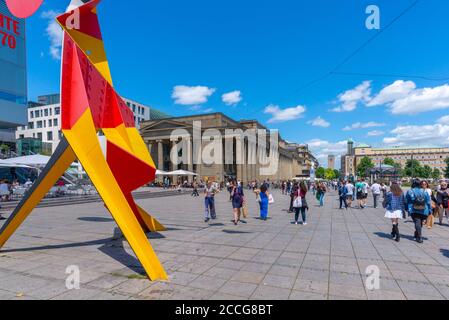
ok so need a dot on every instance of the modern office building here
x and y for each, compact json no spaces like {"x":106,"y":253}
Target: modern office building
{"x":43,"y":129}
{"x":49,"y":99}
{"x":13,"y":75}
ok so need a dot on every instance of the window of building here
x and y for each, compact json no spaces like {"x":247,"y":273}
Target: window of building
{"x":45,"y":123}
{"x":30,"y":125}
{"x":134,"y":108}
{"x":39,"y":124}
{"x":51,"y":111}
{"x":39,"y":135}
{"x":50,"y":136}
{"x":46,"y":112}
{"x":21,"y":136}
{"x":55,"y":122}
{"x":57,"y":111}
{"x":31,"y":114}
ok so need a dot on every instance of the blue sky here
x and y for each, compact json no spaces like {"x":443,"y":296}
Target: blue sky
{"x":182,"y":56}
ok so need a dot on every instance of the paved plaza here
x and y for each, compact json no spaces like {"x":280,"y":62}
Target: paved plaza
{"x":274,"y":259}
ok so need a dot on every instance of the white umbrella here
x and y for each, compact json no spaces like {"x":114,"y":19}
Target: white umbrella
{"x":161,"y":173}
{"x":33,"y":160}
{"x":181,"y":173}
{"x":4,"y":164}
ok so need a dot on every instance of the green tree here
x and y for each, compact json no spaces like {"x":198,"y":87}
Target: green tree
{"x":320,"y":173}
{"x":426,"y":172}
{"x":329,"y":174}
{"x":446,"y":171}
{"x":436,"y":174}
{"x":364,"y":166}
{"x":337,"y":174}
{"x":389,"y":162}
{"x":413,"y":169}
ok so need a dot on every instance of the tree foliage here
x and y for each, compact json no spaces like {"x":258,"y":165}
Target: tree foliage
{"x":436,"y":174}
{"x":364,"y":166}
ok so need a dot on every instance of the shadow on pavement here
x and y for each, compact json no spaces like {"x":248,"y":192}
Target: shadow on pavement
{"x":96,"y":219}
{"x":234,"y":231}
{"x":403,"y":236}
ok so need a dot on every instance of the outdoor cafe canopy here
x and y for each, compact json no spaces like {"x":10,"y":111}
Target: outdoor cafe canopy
{"x":181,"y":173}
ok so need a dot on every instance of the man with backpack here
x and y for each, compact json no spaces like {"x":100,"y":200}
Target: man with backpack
{"x":360,"y":193}
{"x":443,"y":201}
{"x":343,"y":193}
{"x":419,"y":207}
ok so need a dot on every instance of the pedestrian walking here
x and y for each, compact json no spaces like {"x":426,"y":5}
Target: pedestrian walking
{"x":350,"y":196}
{"x":376,"y":189}
{"x":209,"y":202}
{"x":434,"y":210}
{"x":360,"y":192}
{"x":321,"y":192}
{"x":195,"y":190}
{"x":343,"y":194}
{"x":292,"y":196}
{"x":418,"y":207}
{"x":442,"y":201}
{"x":394,"y":204}
{"x":238,"y":199}
{"x":300,"y":203}
{"x":262,"y":199}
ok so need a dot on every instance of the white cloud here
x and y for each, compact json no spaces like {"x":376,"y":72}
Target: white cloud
{"x":232,"y":98}
{"x":433,"y":134}
{"x":397,"y":90}
{"x":54,"y":33}
{"x":322,"y":148}
{"x":443,"y":120}
{"x":282,"y":115}
{"x":351,"y":98}
{"x":359,"y":125}
{"x":375,"y":133}
{"x":186,"y":95}
{"x":208,"y":110}
{"x":422,"y":100}
{"x":403,"y":97}
{"x":319,"y":122}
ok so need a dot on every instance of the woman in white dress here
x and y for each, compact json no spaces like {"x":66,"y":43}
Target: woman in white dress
{"x":395,"y":206}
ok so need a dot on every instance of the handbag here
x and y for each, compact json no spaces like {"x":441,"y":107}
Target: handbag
{"x":270,"y":199}
{"x":245,"y":212}
{"x":297,"y":203}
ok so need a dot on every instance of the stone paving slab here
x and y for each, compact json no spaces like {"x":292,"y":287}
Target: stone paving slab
{"x":274,"y":259}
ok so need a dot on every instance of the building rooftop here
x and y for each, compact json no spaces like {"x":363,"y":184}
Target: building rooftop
{"x":402,"y":147}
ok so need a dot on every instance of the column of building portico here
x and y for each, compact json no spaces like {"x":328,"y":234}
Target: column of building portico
{"x":172,"y":165}
{"x":160,"y":157}
{"x":188,"y":149}
{"x":251,"y":161}
{"x":245,"y":164}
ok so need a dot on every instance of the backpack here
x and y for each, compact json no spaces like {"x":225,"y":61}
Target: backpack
{"x":419,"y":201}
{"x":359,"y":189}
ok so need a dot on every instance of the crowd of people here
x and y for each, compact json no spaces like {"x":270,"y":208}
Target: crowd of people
{"x":422,"y":204}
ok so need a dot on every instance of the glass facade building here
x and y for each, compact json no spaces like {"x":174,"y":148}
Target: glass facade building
{"x":13,"y":74}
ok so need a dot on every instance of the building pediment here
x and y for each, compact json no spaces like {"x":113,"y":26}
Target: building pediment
{"x":163,"y":125}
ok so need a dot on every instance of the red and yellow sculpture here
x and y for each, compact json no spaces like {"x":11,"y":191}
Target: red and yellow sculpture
{"x":91,"y":107}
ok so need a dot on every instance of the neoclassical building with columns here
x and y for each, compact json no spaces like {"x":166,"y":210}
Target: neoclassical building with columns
{"x":218,"y":148}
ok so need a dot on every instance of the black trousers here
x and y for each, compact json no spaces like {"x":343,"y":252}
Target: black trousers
{"x":418,"y":220}
{"x":376,"y":198}
{"x":343,"y":201}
